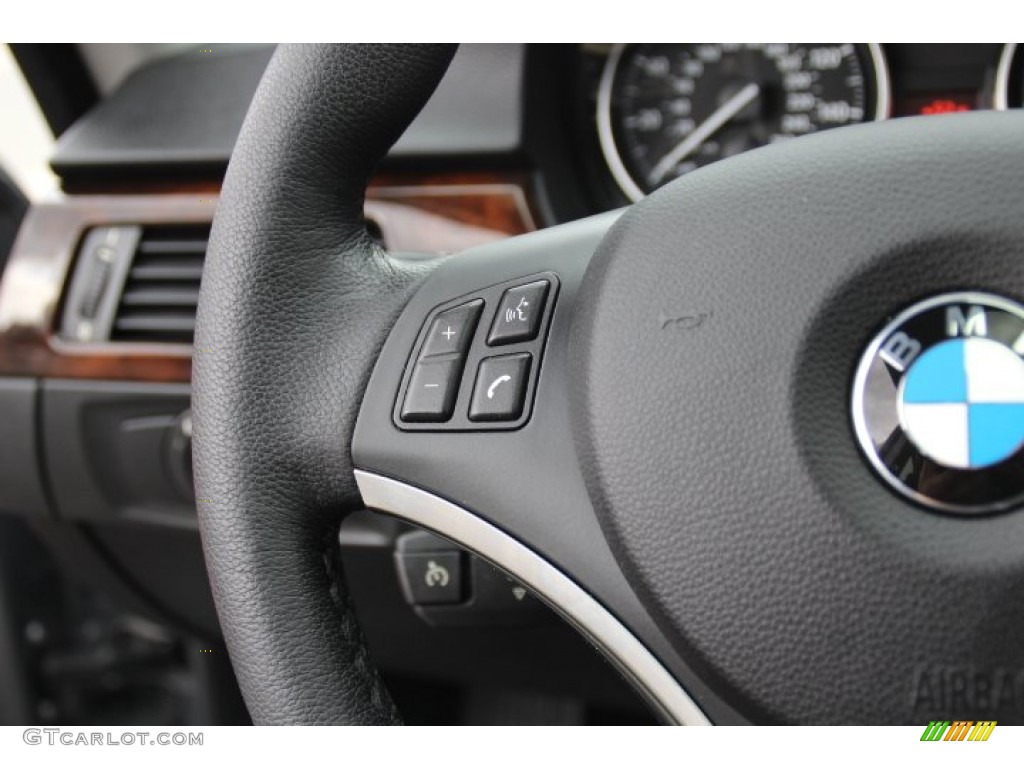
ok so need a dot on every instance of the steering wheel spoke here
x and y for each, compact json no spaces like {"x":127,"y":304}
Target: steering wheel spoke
{"x":500,"y":475}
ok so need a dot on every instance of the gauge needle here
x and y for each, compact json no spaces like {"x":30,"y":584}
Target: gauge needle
{"x":703,"y":132}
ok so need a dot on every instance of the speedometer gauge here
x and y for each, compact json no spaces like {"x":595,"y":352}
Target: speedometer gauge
{"x":667,"y":109}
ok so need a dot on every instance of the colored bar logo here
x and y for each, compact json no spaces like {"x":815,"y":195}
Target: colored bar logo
{"x":958,"y":730}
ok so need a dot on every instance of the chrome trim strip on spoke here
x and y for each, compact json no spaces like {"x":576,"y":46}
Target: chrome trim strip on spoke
{"x":605,"y":631}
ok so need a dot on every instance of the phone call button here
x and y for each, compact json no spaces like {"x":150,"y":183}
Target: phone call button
{"x":500,"y":388}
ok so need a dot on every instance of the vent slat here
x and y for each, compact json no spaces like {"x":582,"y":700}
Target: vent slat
{"x":156,"y":323}
{"x":150,"y":296}
{"x":167,"y":272}
{"x":175,"y":247}
{"x":158,"y":303}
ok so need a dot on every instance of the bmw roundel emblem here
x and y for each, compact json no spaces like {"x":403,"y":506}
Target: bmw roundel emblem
{"x":938,"y":403}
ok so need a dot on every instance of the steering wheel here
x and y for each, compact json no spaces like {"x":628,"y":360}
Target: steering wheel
{"x":643,"y":417}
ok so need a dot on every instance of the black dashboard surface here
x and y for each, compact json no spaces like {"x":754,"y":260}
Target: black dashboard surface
{"x":180,"y":116}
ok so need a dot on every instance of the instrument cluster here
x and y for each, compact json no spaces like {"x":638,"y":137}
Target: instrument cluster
{"x":654,"y":112}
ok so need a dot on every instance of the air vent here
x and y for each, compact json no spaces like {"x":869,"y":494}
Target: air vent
{"x":161,"y":290}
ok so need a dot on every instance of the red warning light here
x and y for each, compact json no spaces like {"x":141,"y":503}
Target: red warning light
{"x":943,"y":107}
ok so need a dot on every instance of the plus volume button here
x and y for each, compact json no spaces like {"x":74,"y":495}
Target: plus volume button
{"x":452,"y":330}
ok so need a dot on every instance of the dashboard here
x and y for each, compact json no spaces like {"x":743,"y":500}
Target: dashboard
{"x":98,"y":297}
{"x":595,"y":125}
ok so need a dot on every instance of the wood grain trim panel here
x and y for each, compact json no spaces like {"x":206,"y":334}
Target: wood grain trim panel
{"x":432,"y":214}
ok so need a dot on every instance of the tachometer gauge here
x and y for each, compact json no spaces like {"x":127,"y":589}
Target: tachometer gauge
{"x":667,"y":109}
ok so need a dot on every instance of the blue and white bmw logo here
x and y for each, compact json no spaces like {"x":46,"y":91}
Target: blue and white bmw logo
{"x":938,"y":403}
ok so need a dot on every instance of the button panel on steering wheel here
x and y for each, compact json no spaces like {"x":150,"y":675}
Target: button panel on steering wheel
{"x":477,"y":358}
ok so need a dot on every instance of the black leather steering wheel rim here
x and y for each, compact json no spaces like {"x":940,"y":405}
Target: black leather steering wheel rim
{"x":277,"y":387}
